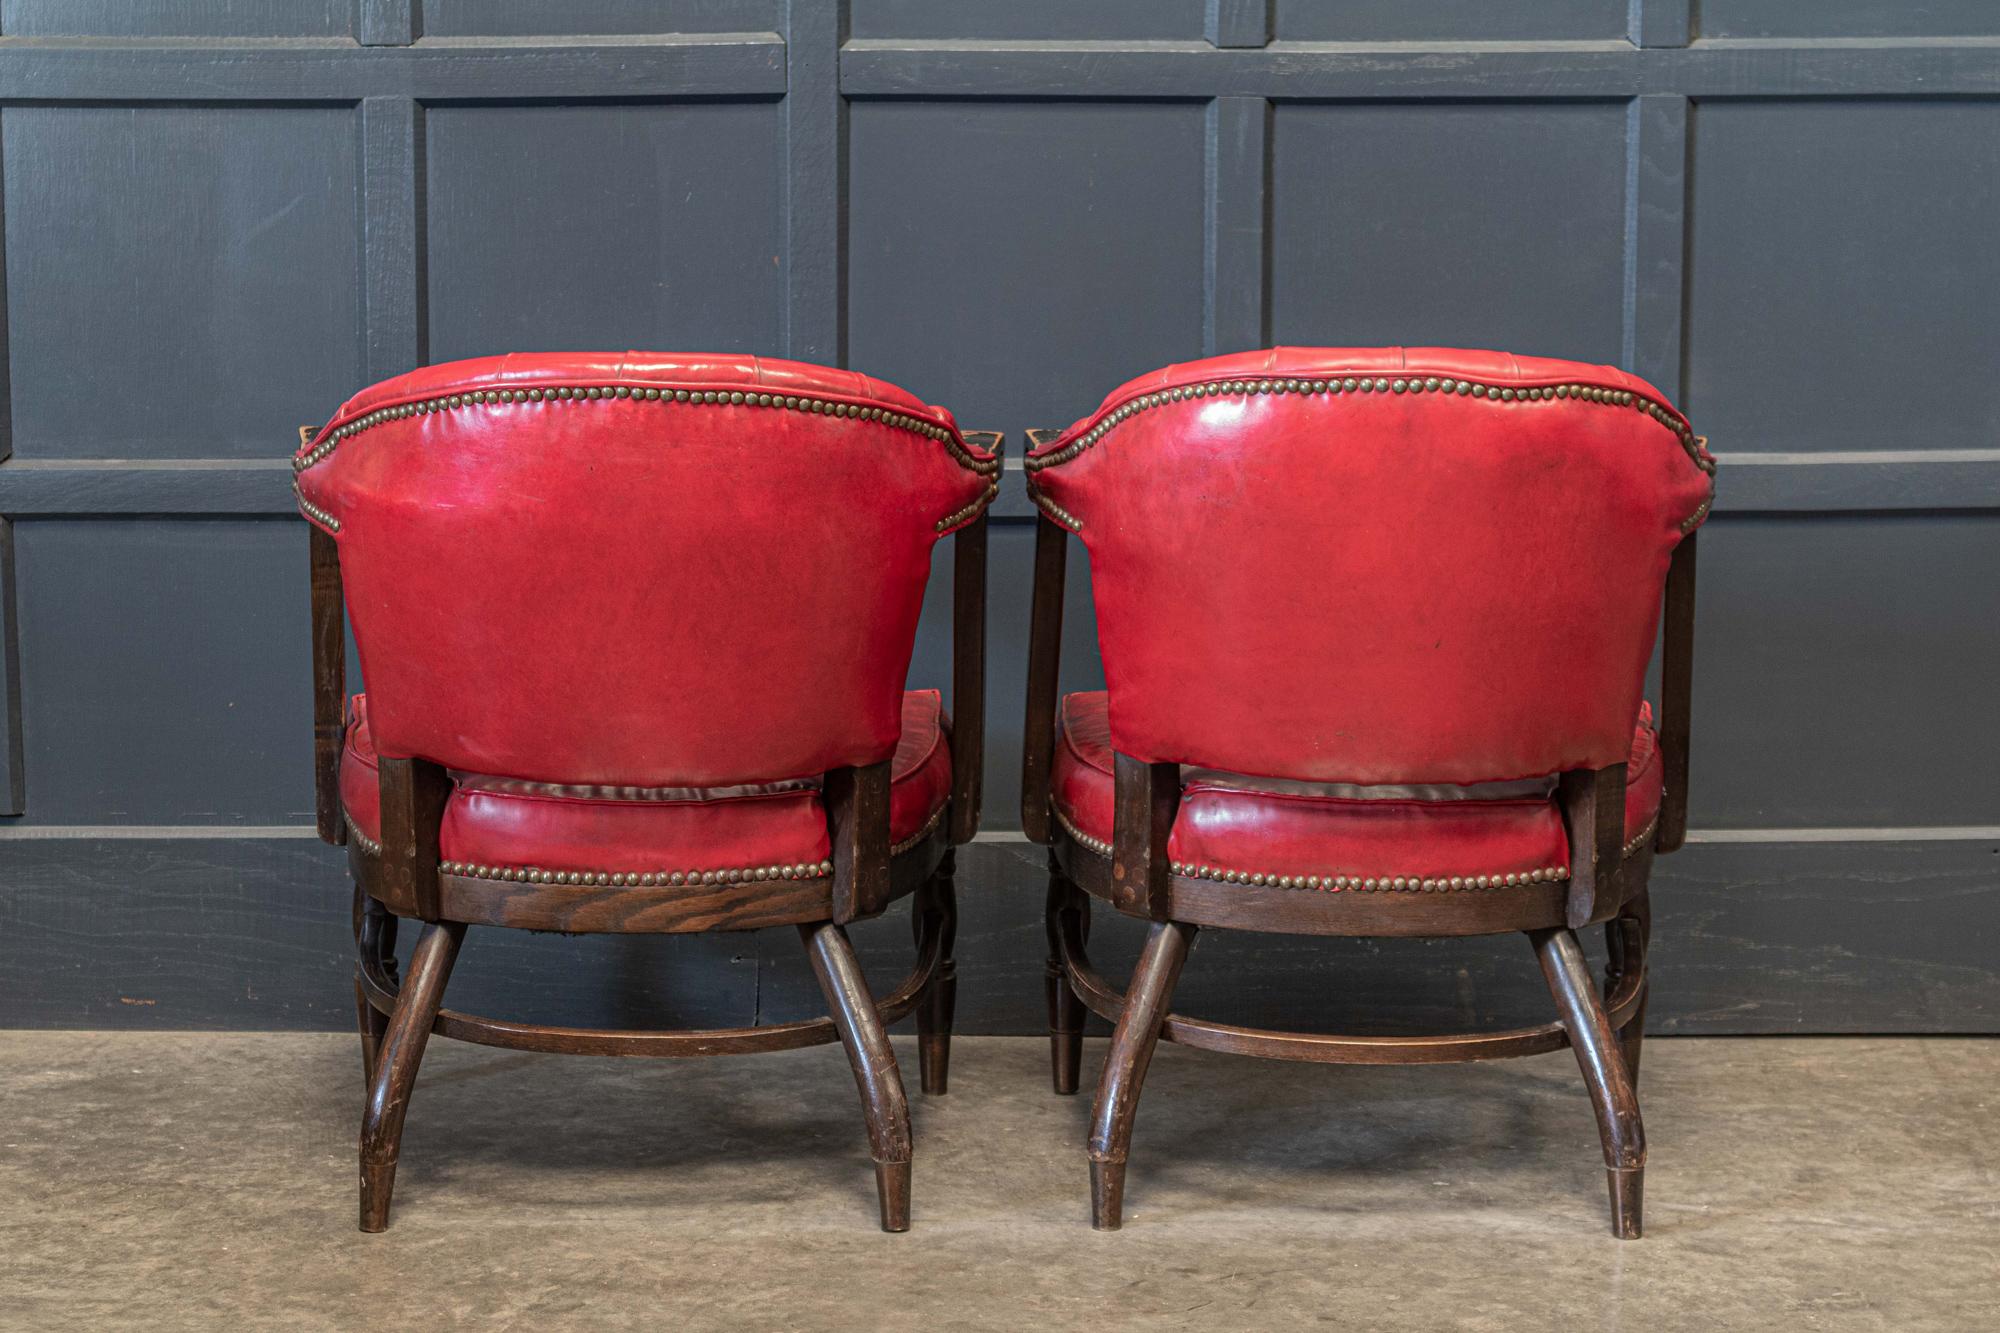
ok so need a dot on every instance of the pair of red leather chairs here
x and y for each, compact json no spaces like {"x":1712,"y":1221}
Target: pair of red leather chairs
{"x":635,"y":632}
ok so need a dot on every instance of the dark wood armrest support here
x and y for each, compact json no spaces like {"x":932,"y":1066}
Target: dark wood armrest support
{"x":1044,"y":667}
{"x":1676,"y":696}
{"x":329,"y":655}
{"x":413,"y":793}
{"x":968,"y":661}
{"x":1147,"y":797}
{"x":857,"y":813}
{"x":1593,"y":806}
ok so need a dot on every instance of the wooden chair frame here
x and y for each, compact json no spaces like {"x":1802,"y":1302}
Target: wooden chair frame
{"x":1607,"y":886}
{"x":404,"y":880}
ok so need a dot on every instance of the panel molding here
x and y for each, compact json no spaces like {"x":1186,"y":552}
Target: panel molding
{"x":1656,"y":214}
{"x":1886,"y":482}
{"x":1378,"y":71}
{"x":1238,"y":23}
{"x":1766,"y":929}
{"x":163,"y":931}
{"x":395,"y":281}
{"x":13,"y":769}
{"x":1662,"y":22}
{"x":390,"y":22}
{"x":1236,"y":243}
{"x":1869,"y":481}
{"x":668,"y":65}
{"x":815,"y":317}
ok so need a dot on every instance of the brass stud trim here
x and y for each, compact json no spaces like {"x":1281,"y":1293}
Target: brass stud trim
{"x":368,"y":844}
{"x":1053,"y":510}
{"x":1644,"y":836}
{"x":314,"y":512}
{"x":1693,"y":521}
{"x":562,"y":393}
{"x":1335,"y":883}
{"x":804,"y":870}
{"x":971,"y":511}
{"x":1693,"y":445}
{"x":930,"y":826}
{"x":1083,"y":839}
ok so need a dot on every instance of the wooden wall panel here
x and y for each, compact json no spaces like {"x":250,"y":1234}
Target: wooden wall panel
{"x":181,"y":279}
{"x":1779,"y":211}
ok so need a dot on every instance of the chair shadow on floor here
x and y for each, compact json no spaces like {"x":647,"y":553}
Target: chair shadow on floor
{"x":1216,"y":1134}
{"x":491,"y":1127}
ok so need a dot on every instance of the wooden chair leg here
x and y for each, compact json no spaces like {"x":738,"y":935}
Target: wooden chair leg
{"x":1132,"y":1043}
{"x":937,"y":902}
{"x":883,"y":1104}
{"x":374,"y":943}
{"x":1603,"y":1063}
{"x":373,"y":1024}
{"x":1066,"y":1011}
{"x":1628,"y":939}
{"x":402,"y":1050}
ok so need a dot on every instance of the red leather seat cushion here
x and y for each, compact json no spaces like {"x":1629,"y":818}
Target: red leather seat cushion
{"x":1335,"y":836}
{"x":511,"y":823}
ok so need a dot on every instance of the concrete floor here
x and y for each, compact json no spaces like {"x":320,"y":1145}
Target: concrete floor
{"x":207,"y":1181}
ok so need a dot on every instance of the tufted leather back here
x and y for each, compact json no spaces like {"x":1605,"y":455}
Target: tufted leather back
{"x":1377,"y":566}
{"x":643,"y":570}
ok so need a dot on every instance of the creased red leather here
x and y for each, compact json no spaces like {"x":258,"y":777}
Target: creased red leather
{"x":626,"y":592}
{"x":499,"y":823}
{"x":1230,"y":822}
{"x":1381,"y":587}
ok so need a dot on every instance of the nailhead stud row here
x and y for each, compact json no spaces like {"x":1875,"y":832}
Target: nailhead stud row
{"x":930,"y":827}
{"x":314,"y":512}
{"x":1589,"y":393}
{"x":368,"y":844}
{"x":622,"y":879}
{"x":1645,"y":836}
{"x":1693,"y":521}
{"x":971,"y":511}
{"x":726,"y":397}
{"x":1336,"y":883}
{"x":1054,"y":510}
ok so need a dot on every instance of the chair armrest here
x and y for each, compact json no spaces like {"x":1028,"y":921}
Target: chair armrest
{"x":1593,"y":809}
{"x":329,"y":658}
{"x":968,"y":662}
{"x":1146,"y":798}
{"x":1676,"y":696}
{"x":1044,"y":665}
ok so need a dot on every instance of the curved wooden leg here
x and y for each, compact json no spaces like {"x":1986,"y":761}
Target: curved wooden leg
{"x":937,"y":908}
{"x":1627,"y":940}
{"x":883,"y":1104}
{"x":1132,"y":1043}
{"x":1066,"y":1011}
{"x":1603,"y":1063}
{"x":374,"y":943}
{"x":402,"y":1050}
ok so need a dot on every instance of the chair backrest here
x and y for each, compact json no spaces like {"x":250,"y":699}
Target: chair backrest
{"x":1377,"y":565}
{"x":640,"y":570}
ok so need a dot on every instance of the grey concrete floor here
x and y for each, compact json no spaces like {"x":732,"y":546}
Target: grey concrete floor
{"x":206,"y":1181}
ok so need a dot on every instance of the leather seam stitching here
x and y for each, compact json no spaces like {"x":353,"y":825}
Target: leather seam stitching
{"x":1335,"y":883}
{"x":895,"y":418}
{"x":1691,"y":444}
{"x":642,"y":879}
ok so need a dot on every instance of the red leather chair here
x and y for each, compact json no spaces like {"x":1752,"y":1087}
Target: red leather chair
{"x":635,"y":630}
{"x":1375,"y":626}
